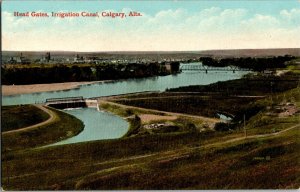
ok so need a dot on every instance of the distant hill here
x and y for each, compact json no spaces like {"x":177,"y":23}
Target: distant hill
{"x":163,"y":54}
{"x":253,"y":52}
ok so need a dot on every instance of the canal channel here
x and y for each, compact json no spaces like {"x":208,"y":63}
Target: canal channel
{"x":101,"y":125}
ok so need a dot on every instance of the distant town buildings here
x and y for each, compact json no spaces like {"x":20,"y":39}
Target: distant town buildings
{"x":78,"y":59}
{"x":48,"y":56}
{"x":120,"y":63}
{"x":102,"y":58}
{"x":12,"y":61}
{"x":21,"y":60}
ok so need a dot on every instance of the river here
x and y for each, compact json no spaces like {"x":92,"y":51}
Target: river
{"x":102,"y":125}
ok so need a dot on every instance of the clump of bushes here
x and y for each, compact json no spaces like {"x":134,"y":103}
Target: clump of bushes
{"x":224,"y":126}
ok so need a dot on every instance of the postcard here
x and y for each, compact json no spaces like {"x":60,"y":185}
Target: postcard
{"x":150,"y":95}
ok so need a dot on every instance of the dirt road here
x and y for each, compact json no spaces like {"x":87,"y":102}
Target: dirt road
{"x":52,"y":117}
{"x":210,"y":121}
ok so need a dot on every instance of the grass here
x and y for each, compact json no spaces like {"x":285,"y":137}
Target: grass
{"x":158,"y":162}
{"x":206,"y":101}
{"x":129,"y":113}
{"x":251,"y":84}
{"x":294,"y":66}
{"x":180,"y":124}
{"x":236,"y":168}
{"x":81,"y":157}
{"x":174,"y":160}
{"x":134,"y":126}
{"x":19,"y":116}
{"x":267,"y":120}
{"x":63,"y":126}
{"x":124,"y":111}
{"x":191,"y":104}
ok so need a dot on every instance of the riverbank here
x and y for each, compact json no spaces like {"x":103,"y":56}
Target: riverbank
{"x":145,"y":121}
{"x":57,"y":127}
{"x":36,"y":88}
{"x":173,"y":160}
{"x":159,"y":162}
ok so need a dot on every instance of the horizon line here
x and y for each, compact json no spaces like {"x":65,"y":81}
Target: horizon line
{"x":231,"y":49}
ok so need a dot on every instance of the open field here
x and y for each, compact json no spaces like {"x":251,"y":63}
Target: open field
{"x":59,"y":127}
{"x":294,"y":66}
{"x":174,"y":160}
{"x":233,"y":98}
{"x":258,"y":150}
{"x":250,"y":85}
{"x":168,"y":121}
{"x":16,"y":117}
{"x":197,"y":104}
{"x":160,"y":162}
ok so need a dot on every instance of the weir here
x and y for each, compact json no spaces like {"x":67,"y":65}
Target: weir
{"x":71,"y":102}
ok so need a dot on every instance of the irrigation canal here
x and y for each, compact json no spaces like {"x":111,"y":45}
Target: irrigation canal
{"x":102,"y":125}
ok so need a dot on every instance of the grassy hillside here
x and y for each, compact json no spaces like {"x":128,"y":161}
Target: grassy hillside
{"x":185,"y":160}
{"x":260,"y":151}
{"x":15,"y":117}
{"x":61,"y":127}
{"x":159,"y":163}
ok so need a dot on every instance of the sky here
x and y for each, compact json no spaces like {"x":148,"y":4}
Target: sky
{"x":169,"y":25}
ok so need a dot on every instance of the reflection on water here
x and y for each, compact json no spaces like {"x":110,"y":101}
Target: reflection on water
{"x":224,"y":117}
{"x":128,"y":86}
{"x":102,"y":125}
{"x":98,"y":126}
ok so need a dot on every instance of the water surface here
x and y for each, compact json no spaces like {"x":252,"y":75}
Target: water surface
{"x":97,"y":126}
{"x":102,"y":125}
{"x":160,"y":83}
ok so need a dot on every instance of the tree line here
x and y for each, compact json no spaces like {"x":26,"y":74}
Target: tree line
{"x":70,"y":73}
{"x":256,"y":64}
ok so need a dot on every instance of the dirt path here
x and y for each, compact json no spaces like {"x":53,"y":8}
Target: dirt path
{"x":210,"y":121}
{"x":251,"y":137}
{"x":147,"y":118}
{"x":176,"y":153}
{"x":52,"y":117}
{"x":160,"y":97}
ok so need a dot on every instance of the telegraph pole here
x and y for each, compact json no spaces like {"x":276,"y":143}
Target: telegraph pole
{"x":271,"y":92}
{"x":245,"y":130}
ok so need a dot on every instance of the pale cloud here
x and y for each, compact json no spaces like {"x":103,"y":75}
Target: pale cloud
{"x":170,"y":14}
{"x":261,"y":22}
{"x":233,"y":13}
{"x":213,"y":28}
{"x":11,"y":22}
{"x":291,"y":16}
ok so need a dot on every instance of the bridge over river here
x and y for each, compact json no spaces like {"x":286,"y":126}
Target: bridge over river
{"x":200,"y":67}
{"x":102,"y":125}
